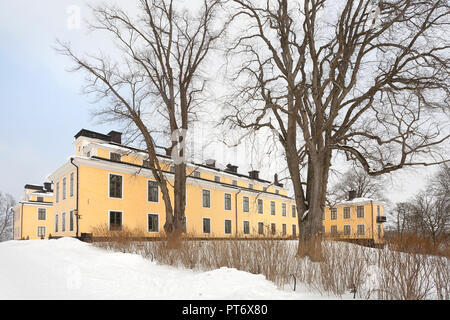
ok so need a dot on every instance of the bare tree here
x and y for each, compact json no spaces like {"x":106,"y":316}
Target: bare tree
{"x":7,"y":204}
{"x":155,"y":87}
{"x":362,"y":78}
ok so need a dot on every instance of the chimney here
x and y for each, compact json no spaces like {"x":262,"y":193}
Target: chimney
{"x":116,"y":136}
{"x":351,"y":195}
{"x":275,"y":180}
{"x":48,"y":186}
{"x":253,"y":174}
{"x":231,"y":168}
{"x":211,"y":163}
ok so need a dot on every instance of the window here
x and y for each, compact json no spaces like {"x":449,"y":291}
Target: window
{"x":57,"y":192}
{"x":41,"y":232}
{"x":246,"y":227}
{"x":294,"y":211}
{"x":227,"y":201}
{"x":260,"y":228}
{"x":115,"y":156}
{"x":153,"y":222}
{"x":216,"y":178}
{"x":71,"y":221}
{"x":234,"y":182}
{"x":227,"y":226}
{"x":56,"y":223}
{"x":63,"y":222}
{"x":378,"y":210}
{"x":346,"y":212}
{"x":197,"y":174}
{"x":272,"y":208}
{"x":41,"y":214}
{"x":283,"y":209}
{"x":260,"y":206}
{"x":245,"y":204}
{"x":277,"y":191}
{"x":294,"y":230}
{"x":115,"y":186}
{"x":347,"y":230}
{"x":333,"y":213}
{"x":283,"y":229}
{"x":206,"y":199}
{"x":206,"y":225}
{"x":379,"y":231}
{"x":146,"y":163}
{"x":250,"y":186}
{"x":115,"y":221}
{"x":71,"y":184}
{"x":40,"y":199}
{"x":360,"y":211}
{"x":64,"y":189}
{"x":273,"y":228}
{"x":153,"y":191}
{"x":333,"y":230}
{"x":360,"y":229}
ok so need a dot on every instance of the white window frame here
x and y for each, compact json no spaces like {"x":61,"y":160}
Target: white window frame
{"x":210,"y":202}
{"x":148,"y":192}
{"x":72,"y":182}
{"x":364,"y":229}
{"x":45,"y":214}
{"x":283,"y":210}
{"x":349,"y":229}
{"x":257,"y":206}
{"x":109,"y":186}
{"x":203,"y":229}
{"x":225,"y":228}
{"x":225,"y":201}
{"x":243,"y":226}
{"x":71,"y":219}
{"x":272,"y":213}
{"x":41,"y":227}
{"x":159,"y":222}
{"x":248,"y":202}
{"x":262,"y":228}
{"x":109,"y":220}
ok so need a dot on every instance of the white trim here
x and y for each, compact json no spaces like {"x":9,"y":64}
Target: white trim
{"x":343,"y":229}
{"x":285,"y":225}
{"x":210,"y":202}
{"x":257,"y":225}
{"x":224,"y":202}
{"x":257,"y":205}
{"x":158,"y":191}
{"x":159,"y":222}
{"x":271,"y":232}
{"x":224,"y":226}
{"x":72,"y":215}
{"x":210,"y":228}
{"x":274,"y":208}
{"x":248,"y":198}
{"x":109,"y":219}
{"x":243,"y":226}
{"x":109,"y":185}
{"x":37,"y":231}
{"x":45,"y":214}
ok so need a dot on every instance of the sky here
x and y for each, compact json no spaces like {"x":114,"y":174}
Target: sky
{"x":42,"y":105}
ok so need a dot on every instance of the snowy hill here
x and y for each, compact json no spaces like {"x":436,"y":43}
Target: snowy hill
{"x":70,"y":269}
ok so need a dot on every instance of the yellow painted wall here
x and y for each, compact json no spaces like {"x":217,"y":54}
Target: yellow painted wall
{"x":26,"y":221}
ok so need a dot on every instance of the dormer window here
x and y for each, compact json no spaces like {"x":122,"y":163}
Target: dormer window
{"x":40,"y":199}
{"x":197,"y":174}
{"x":146,"y":163}
{"x":115,"y":156}
{"x":277,"y":191}
{"x":216,"y":178}
{"x":250,"y":186}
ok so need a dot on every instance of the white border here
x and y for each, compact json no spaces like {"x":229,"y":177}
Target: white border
{"x":109,"y":185}
{"x":224,"y":202}
{"x":158,"y":191}
{"x":210,"y":202}
{"x":210,"y":225}
{"x":224,"y":228}
{"x":38,"y":214}
{"x":243,"y":227}
{"x":109,"y":219}
{"x":159,"y":222}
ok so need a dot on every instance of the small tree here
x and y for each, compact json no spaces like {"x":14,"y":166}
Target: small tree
{"x":7,"y":204}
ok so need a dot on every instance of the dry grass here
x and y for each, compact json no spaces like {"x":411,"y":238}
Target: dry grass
{"x":346,"y":268}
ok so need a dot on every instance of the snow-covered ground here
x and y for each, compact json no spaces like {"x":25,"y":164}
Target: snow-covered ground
{"x":70,"y":269}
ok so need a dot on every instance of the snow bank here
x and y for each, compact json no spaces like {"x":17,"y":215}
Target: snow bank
{"x":70,"y":269}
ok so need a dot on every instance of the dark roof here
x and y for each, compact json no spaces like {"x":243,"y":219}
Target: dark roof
{"x":34,"y":187}
{"x":107,"y":138}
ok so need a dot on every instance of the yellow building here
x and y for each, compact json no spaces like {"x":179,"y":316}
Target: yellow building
{"x":33,"y":215}
{"x":355,"y":220}
{"x":109,"y":184}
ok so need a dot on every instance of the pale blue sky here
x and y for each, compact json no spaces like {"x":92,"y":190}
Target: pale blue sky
{"x":42,"y":106}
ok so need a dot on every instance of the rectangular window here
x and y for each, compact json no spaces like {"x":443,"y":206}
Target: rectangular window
{"x":41,"y":213}
{"x":333,"y":213}
{"x":360,"y":211}
{"x":227,"y":201}
{"x":347,"y":230}
{"x":56,"y":223}
{"x":379,"y":231}
{"x":272,"y":208}
{"x":283,"y":209}
{"x":246,"y":227}
{"x":294,"y":211}
{"x":227,"y":226}
{"x":333,"y":230}
{"x":206,"y":225}
{"x":216,"y":178}
{"x":260,"y":228}
{"x":71,"y":221}
{"x":72,"y":181}
{"x":206,"y":202}
{"x":346,"y":212}
{"x":153,"y":222}
{"x":41,"y":232}
{"x":146,"y":163}
{"x":57,"y":192}
{"x":283,"y":229}
{"x":40,"y":199}
{"x":360,"y":229}
{"x":115,"y":156}
{"x":273,"y":228}
{"x":63,"y":222}
{"x":234,"y":182}
{"x":250,"y":186}
{"x":245,"y":204}
{"x":277,"y":191}
{"x":260,"y":206}
{"x":115,"y":186}
{"x":153,"y":191}
{"x":197,"y":174}
{"x":64,"y":189}
{"x":115,"y":221}
{"x":294,"y":230}
{"x":378,"y":210}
